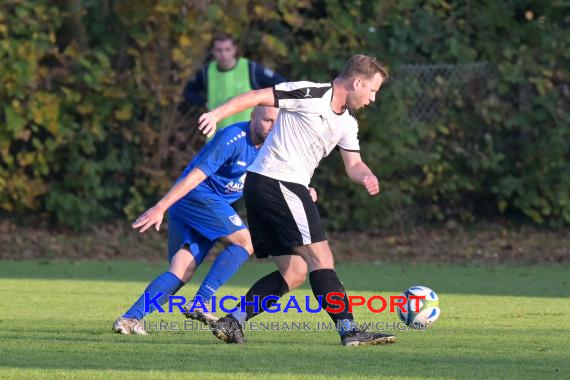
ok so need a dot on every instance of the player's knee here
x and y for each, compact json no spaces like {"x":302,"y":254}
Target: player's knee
{"x":318,"y":256}
{"x":316,"y":262}
{"x":241,"y":238}
{"x":248,"y":246}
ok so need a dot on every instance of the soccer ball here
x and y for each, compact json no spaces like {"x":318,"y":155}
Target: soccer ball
{"x":428,"y":311}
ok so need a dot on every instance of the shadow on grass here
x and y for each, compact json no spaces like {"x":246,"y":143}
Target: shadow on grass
{"x":545,"y":281}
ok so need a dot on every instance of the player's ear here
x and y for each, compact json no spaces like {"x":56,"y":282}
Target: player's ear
{"x":357,"y":82}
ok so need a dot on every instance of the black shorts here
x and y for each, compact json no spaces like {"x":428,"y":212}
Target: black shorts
{"x":281,"y":215}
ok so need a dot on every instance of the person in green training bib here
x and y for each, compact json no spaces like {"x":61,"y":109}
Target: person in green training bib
{"x":227,"y":76}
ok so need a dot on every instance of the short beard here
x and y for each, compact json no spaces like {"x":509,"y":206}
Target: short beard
{"x":351,"y":109}
{"x":349,"y":106}
{"x":259,"y":137}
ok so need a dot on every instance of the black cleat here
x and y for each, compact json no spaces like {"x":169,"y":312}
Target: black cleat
{"x":228,"y":329}
{"x":362,"y":338}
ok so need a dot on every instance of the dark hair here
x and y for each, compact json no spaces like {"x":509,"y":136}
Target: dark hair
{"x":221,"y":36}
{"x":364,"y":66}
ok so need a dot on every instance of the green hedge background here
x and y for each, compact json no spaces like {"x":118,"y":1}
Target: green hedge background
{"x":90,"y":127}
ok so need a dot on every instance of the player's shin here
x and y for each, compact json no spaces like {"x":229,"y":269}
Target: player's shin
{"x":167,"y":283}
{"x":271,"y":285}
{"x":326,"y":285}
{"x":226,"y":265}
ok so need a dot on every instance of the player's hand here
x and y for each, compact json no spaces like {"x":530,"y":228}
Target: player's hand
{"x":313,"y":193}
{"x":151,"y":217}
{"x":207,"y":124}
{"x":370,"y":183}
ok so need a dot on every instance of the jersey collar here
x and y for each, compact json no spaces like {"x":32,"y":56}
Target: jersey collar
{"x":330,"y":104}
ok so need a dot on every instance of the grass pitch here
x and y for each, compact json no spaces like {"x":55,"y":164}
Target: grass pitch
{"x":496,"y":322}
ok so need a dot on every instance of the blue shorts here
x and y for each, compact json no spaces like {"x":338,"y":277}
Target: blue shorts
{"x":198,"y":220}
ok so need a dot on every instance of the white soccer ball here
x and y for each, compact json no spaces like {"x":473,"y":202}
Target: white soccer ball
{"x":428,"y":311}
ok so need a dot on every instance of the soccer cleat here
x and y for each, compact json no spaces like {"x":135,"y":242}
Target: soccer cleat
{"x":198,"y":314}
{"x":229,"y":330}
{"x":128,"y":326}
{"x":362,"y":338}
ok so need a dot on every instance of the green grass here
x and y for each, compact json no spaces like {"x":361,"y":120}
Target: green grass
{"x":497,"y":322}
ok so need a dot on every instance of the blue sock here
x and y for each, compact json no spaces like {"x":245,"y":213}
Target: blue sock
{"x":345,"y":325}
{"x":227,"y":263}
{"x":166,"y":283}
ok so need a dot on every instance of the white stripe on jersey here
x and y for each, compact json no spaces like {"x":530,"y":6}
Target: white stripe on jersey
{"x":296,"y":206}
{"x":306,"y":130}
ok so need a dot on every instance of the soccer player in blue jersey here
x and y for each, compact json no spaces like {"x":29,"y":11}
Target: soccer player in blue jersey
{"x":200,"y":214}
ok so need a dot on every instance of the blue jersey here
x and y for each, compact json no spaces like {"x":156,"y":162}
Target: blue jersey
{"x":224,"y":161}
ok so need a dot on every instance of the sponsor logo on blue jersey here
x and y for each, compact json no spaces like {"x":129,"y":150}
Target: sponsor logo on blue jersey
{"x":236,"y":186}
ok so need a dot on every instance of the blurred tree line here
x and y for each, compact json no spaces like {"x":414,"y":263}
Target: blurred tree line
{"x":91,"y":127}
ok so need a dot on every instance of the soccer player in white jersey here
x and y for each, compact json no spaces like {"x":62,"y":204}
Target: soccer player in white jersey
{"x":314,"y":119}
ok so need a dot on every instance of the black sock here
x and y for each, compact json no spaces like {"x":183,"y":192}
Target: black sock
{"x":325,"y":281}
{"x":271,"y":285}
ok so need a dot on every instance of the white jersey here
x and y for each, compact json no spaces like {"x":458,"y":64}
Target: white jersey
{"x":306,"y":130}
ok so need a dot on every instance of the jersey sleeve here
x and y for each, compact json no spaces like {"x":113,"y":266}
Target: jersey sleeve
{"x":217,"y":151}
{"x":299,"y":96}
{"x":349,"y":140}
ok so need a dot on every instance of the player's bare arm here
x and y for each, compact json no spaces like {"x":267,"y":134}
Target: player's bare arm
{"x":313,"y":194}
{"x":359,"y":172}
{"x":207,"y":121}
{"x":154,"y":215}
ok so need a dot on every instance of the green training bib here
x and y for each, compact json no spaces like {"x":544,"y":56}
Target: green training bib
{"x":224,"y":85}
